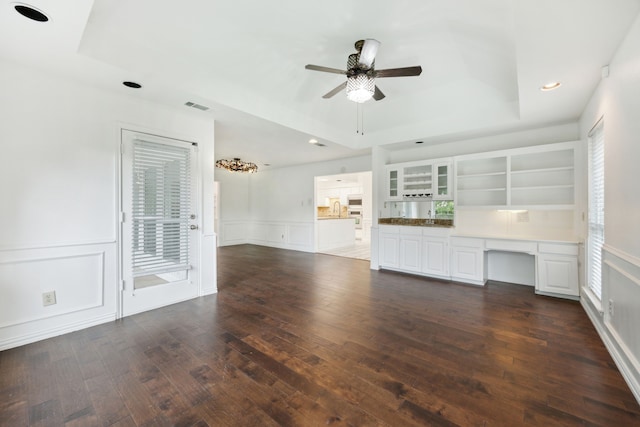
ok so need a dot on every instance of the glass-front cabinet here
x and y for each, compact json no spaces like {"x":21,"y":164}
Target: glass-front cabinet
{"x":394,"y":181}
{"x":420,"y":180}
{"x":442,"y":176}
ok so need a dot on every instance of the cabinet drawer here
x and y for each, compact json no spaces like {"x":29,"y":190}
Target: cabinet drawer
{"x":467,"y":242}
{"x":390,"y":229}
{"x":511,"y":246}
{"x":411,"y":231}
{"x":558,"y":248}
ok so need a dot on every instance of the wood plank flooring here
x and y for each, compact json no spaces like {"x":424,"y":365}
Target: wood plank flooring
{"x":298,"y":339}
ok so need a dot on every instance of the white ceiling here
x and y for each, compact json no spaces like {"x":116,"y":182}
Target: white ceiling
{"x":483,"y":63}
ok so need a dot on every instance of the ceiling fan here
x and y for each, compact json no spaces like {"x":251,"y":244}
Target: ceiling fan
{"x":361,"y":73}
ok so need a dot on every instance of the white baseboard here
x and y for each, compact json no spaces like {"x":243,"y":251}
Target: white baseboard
{"x":616,"y":349}
{"x":54,"y":332}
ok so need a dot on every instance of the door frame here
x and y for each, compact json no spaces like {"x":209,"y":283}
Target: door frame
{"x":196,"y":194}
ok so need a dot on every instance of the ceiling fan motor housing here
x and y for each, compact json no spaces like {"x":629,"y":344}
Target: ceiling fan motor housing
{"x":353,"y":69}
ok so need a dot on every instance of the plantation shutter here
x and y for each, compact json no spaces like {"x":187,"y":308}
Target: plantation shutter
{"x":160,"y":208}
{"x":596,"y":208}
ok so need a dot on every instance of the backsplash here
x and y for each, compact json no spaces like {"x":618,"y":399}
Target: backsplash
{"x":330,"y":212}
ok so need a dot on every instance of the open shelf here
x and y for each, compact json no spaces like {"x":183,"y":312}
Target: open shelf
{"x":541,"y":176}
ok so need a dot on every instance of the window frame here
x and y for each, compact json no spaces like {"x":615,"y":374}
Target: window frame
{"x":596,"y":210}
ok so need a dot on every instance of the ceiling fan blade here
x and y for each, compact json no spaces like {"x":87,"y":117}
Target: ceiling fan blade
{"x":368,"y":53}
{"x":324,"y":69}
{"x":378,"y":95}
{"x":400,"y":72}
{"x":334,"y":91}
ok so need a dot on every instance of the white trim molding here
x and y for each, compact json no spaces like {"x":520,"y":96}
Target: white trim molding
{"x":84,"y":280}
{"x":617,"y":319}
{"x":294,"y":235}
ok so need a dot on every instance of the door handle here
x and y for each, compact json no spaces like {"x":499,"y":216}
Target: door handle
{"x":193,"y":227}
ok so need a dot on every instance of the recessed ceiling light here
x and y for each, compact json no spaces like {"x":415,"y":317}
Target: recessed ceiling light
{"x":132,"y":85}
{"x":313,"y":141}
{"x":30,"y":12}
{"x":550,"y":86}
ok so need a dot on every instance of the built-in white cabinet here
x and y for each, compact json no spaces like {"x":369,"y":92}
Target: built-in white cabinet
{"x":442,"y":181}
{"x":423,"y":250}
{"x":410,"y":241}
{"x":532,"y":177}
{"x":558,"y":269}
{"x":389,"y":246}
{"x":433,"y":252}
{"x":543,"y":178}
{"x":435,"y":256}
{"x":482,"y":181}
{"x":467,"y":260}
{"x":394,"y":182}
{"x":415,"y":180}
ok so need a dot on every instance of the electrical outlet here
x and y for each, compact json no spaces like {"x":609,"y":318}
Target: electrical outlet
{"x":48,"y":298}
{"x":610,"y":308}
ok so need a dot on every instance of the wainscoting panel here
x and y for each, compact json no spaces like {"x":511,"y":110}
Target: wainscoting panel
{"x":618,"y":322}
{"x":234,"y":233}
{"x":301,"y":236}
{"x":83,"y":277}
{"x":285,"y":235}
{"x":276,"y":234}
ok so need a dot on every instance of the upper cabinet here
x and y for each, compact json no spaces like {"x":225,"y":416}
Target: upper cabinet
{"x":537,"y":177}
{"x":443,"y":180}
{"x":482,"y":181}
{"x":545,"y":178}
{"x":532,"y":177}
{"x":419,"y":180}
{"x":394,"y":181}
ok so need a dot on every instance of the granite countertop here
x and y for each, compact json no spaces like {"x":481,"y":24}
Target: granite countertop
{"x":418,"y":222}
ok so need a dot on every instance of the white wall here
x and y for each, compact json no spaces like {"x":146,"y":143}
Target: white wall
{"x":58,"y":180}
{"x":234,"y":206}
{"x":281,"y":209}
{"x":617,"y":99}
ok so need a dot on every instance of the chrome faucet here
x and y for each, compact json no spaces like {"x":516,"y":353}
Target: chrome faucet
{"x":334,"y":208}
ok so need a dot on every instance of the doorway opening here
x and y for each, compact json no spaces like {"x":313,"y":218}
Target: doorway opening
{"x":343,"y":206}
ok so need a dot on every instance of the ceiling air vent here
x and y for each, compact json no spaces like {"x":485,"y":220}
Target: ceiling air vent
{"x":194,"y":105}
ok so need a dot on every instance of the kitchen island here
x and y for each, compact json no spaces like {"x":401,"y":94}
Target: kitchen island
{"x":335,"y":232}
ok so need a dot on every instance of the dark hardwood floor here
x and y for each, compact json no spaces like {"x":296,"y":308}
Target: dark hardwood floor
{"x":297,"y":339}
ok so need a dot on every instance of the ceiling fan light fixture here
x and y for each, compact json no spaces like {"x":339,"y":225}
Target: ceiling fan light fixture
{"x":360,"y":88}
{"x":237,"y":165}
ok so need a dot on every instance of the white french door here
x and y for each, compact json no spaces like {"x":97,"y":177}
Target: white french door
{"x":159,"y":226}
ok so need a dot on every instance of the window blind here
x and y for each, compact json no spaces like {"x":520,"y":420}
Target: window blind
{"x":596,"y":208}
{"x":160,"y":208}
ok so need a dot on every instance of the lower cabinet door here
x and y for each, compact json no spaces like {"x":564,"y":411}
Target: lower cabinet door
{"x":467,"y":264}
{"x":389,"y":250}
{"x":558,"y":274}
{"x":410,"y":253}
{"x":435,"y":256}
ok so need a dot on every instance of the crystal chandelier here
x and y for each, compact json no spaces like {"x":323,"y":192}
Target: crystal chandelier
{"x":360,"y":87}
{"x":237,"y":165}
